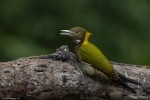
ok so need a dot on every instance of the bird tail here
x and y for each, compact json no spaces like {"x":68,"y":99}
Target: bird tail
{"x":126,"y":79}
{"x":122,"y":83}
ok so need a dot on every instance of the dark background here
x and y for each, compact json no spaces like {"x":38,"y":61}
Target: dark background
{"x":120,"y":28}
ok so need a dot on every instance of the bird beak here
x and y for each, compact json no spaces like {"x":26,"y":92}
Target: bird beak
{"x":66,"y":32}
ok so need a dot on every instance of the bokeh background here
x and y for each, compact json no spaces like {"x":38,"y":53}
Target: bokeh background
{"x":120,"y":28}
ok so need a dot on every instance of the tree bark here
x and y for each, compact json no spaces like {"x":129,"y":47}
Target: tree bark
{"x":53,"y":77}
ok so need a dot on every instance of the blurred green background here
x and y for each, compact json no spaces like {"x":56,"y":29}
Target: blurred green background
{"x":120,"y":28}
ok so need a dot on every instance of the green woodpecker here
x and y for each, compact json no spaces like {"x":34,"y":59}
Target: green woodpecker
{"x":88,"y":53}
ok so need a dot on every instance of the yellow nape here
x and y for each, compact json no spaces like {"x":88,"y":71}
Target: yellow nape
{"x":87,"y":34}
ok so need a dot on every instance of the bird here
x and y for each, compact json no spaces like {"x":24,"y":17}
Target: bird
{"x":87,"y":53}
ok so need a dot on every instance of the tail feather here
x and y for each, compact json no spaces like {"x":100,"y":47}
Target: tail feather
{"x":122,"y":83}
{"x":125,"y":79}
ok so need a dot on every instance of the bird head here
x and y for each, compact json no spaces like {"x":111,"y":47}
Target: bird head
{"x":77,"y":33}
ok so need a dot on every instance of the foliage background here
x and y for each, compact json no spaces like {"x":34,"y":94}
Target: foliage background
{"x":121,"y":28}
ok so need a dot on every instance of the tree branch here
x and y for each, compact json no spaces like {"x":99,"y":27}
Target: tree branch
{"x":53,"y":77}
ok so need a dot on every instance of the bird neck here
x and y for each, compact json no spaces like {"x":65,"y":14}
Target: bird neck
{"x":86,"y":37}
{"x":77,"y":41}
{"x":82,"y":41}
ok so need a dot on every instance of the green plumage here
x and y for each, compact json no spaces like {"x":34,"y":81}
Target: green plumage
{"x":89,"y":53}
{"x":92,"y":60}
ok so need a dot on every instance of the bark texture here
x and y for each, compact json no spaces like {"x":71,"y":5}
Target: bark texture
{"x":53,"y":77}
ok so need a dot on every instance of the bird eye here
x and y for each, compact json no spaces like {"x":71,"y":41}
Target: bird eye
{"x":76,"y":31}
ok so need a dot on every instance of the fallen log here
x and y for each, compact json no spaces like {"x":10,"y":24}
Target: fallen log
{"x":53,"y":76}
